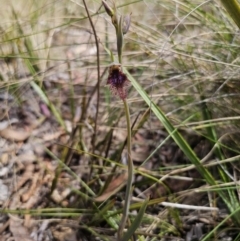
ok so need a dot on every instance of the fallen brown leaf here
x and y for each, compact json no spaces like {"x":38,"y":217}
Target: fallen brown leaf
{"x":115,"y":185}
{"x":14,"y":135}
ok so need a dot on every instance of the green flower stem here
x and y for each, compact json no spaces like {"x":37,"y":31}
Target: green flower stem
{"x":130,"y":173}
{"x":128,"y":194}
{"x":233,"y":8}
{"x":117,"y":22}
{"x":119,"y":40}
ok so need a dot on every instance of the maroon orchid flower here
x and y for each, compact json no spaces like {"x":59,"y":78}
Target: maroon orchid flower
{"x":117,"y":81}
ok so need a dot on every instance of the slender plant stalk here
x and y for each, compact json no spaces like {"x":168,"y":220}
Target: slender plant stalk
{"x":98,"y":74}
{"x":119,"y":40}
{"x":128,"y":194}
{"x":117,"y":80}
{"x":130,"y":174}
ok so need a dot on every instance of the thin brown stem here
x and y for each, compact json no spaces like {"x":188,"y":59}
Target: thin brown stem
{"x":98,"y":73}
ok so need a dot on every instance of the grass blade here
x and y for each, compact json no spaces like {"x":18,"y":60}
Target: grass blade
{"x":136,"y":223}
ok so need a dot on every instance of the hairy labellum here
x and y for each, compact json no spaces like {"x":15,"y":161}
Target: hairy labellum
{"x":117,"y":81}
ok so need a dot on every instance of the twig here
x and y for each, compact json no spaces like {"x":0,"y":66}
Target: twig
{"x":98,"y":73}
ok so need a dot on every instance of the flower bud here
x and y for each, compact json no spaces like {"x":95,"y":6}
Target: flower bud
{"x":108,"y":9}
